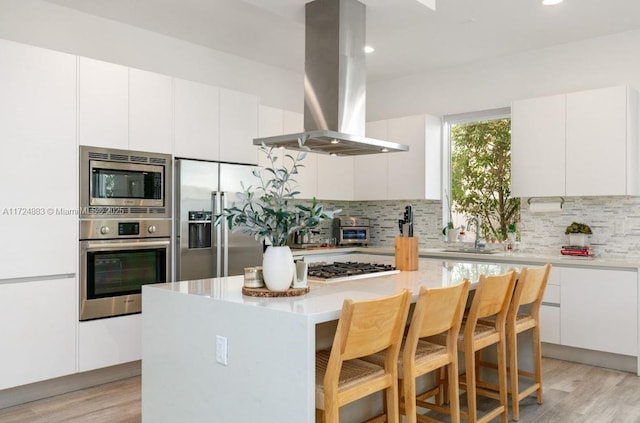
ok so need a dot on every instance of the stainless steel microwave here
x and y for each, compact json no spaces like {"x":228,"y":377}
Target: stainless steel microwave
{"x":123,"y":183}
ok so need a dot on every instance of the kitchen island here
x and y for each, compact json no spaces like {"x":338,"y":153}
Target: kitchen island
{"x":266,"y":371}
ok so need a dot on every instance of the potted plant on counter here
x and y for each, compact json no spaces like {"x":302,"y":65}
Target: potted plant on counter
{"x":268,"y":212}
{"x":578,"y":233}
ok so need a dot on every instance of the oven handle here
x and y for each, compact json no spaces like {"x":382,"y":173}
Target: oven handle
{"x":101,"y":245}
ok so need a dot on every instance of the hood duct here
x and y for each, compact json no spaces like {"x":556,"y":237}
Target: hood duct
{"x":334,"y":84}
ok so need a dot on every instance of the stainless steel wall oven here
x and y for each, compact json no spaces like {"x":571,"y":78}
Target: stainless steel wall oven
{"x":125,"y":228}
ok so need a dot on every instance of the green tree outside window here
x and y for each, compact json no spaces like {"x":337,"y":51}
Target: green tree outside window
{"x":481,"y":175}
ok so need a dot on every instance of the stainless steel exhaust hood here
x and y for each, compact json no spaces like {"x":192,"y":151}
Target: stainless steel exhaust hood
{"x":334,"y":84}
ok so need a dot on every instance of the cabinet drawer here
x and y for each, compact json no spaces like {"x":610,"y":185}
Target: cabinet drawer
{"x":551,"y":295}
{"x":550,"y":324}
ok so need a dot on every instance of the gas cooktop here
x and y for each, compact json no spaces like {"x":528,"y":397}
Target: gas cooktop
{"x":346,"y":271}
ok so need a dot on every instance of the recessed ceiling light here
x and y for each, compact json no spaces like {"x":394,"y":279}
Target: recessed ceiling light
{"x":334,"y":141}
{"x":551,"y":2}
{"x":369,"y":49}
{"x":384,"y":150}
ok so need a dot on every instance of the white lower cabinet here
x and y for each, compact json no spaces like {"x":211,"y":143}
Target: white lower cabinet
{"x":107,"y":342}
{"x":600,"y":310}
{"x":550,"y":312}
{"x":38,"y":331}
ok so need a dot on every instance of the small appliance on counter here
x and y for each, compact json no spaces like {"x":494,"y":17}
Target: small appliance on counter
{"x":351,"y":230}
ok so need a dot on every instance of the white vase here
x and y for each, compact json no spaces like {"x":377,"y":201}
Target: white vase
{"x":452,"y":234}
{"x":277,"y":268}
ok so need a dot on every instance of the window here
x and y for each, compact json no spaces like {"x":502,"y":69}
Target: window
{"x":479,"y":173}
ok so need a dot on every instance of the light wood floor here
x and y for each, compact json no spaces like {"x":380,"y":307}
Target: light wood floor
{"x":573,"y":393}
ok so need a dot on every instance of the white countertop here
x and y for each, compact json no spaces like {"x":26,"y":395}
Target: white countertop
{"x":324,"y":300}
{"x":502,"y":257}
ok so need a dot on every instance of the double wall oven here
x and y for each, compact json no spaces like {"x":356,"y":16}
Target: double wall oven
{"x":125,"y":228}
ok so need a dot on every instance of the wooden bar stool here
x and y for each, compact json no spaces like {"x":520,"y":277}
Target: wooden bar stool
{"x":365,"y":328}
{"x":529,"y":290}
{"x":438,"y":311}
{"x":492,"y":297}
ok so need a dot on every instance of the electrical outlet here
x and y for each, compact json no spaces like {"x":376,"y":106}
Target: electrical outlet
{"x":221,"y":350}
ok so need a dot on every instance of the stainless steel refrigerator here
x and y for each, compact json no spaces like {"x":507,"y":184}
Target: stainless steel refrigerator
{"x":203,"y":250}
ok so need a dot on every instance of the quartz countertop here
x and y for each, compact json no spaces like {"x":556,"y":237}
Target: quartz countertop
{"x":501,"y":257}
{"x":324,"y":300}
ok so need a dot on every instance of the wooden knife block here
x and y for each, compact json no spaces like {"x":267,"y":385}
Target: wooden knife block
{"x":406,"y":252}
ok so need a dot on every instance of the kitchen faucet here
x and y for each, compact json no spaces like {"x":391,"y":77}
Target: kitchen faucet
{"x":477,"y":221}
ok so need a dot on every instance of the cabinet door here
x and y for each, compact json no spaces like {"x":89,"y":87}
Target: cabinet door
{"x":270,"y":124}
{"x":597,"y":142}
{"x":107,"y":342}
{"x":38,"y":211}
{"x":308,"y":175}
{"x":38,"y":330}
{"x":538,"y":147}
{"x":103,"y":104}
{"x":600,"y":310}
{"x":238,"y":127}
{"x":371,"y":171}
{"x":196,"y":117}
{"x":150,"y":112}
{"x":335,"y":178}
{"x":407,"y":170}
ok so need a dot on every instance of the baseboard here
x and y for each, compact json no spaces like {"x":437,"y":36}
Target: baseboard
{"x":62,"y":385}
{"x":624,"y":363}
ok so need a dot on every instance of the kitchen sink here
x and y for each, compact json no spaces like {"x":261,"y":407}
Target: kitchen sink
{"x":472,"y":250}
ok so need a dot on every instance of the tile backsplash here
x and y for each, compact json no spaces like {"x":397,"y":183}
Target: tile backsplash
{"x":615,"y":222}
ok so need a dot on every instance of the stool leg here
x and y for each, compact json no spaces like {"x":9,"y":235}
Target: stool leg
{"x":454,"y":392}
{"x":502,"y":376}
{"x":409,"y":392}
{"x":391,"y":395}
{"x":537,"y":357}
{"x":512,"y":338}
{"x":470,"y":365}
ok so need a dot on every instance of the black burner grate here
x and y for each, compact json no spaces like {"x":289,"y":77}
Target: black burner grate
{"x":349,"y":268}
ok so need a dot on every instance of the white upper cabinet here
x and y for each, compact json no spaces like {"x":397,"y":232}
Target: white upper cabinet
{"x":124,"y":108}
{"x":602,"y":142}
{"x":238,"y":127}
{"x":104,"y":104}
{"x":270,"y":124}
{"x":150,"y":112}
{"x":39,"y":161}
{"x":307,"y":177}
{"x":335,"y":177}
{"x":196,"y":120}
{"x":371,"y":170}
{"x":564,"y":144}
{"x":538,"y":147}
{"x":415,"y":174}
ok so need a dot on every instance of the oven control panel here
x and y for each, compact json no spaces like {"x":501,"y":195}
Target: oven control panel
{"x":115,"y":229}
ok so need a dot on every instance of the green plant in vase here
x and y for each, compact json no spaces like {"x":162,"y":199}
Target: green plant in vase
{"x":269,"y":213}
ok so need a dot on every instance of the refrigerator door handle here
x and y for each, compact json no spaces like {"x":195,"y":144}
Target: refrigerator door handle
{"x":216,"y":200}
{"x":225,"y":234}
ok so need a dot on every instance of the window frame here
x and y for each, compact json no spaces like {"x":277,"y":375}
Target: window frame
{"x":447,"y":122}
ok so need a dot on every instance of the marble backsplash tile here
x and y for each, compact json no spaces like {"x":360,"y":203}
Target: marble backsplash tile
{"x":615,"y":222}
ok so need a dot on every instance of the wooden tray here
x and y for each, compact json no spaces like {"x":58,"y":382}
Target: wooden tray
{"x":264,"y":292}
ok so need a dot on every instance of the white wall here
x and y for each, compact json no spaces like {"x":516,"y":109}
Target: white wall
{"x":47,"y":25}
{"x":600,"y":62}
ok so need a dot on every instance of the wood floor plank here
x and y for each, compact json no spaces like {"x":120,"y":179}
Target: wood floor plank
{"x":572,"y":392}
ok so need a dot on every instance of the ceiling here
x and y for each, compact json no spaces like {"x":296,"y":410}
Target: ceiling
{"x":409,"y":38}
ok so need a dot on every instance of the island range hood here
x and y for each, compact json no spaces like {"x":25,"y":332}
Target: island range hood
{"x":334,"y":84}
